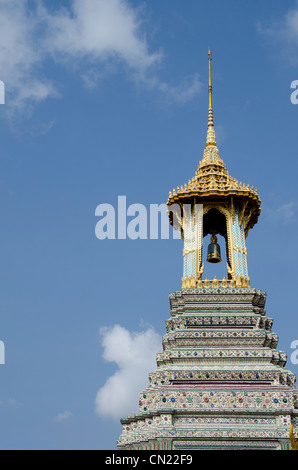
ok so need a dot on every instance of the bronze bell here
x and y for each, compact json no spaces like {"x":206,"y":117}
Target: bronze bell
{"x":213,"y":254}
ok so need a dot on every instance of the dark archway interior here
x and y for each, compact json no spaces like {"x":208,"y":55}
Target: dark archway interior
{"x":215,"y":221}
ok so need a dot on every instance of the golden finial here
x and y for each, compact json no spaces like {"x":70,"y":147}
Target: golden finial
{"x":210,"y":133}
{"x":210,"y":84}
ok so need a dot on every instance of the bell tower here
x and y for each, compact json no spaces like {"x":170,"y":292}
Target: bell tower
{"x":214,"y":203}
{"x":220,"y":381}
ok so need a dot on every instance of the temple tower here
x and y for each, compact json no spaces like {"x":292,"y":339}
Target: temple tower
{"x":214,"y":203}
{"x":220,"y":382}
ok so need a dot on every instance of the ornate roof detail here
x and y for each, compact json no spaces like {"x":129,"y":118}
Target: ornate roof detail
{"x":211,"y":156}
{"x":212,"y":180}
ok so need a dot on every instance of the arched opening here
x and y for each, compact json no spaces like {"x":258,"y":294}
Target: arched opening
{"x":215,"y":222}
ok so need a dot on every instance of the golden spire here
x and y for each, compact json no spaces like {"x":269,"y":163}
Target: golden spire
{"x":210,"y":131}
{"x":210,"y":84}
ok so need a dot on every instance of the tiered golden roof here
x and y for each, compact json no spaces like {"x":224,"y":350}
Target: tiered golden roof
{"x":212,"y":180}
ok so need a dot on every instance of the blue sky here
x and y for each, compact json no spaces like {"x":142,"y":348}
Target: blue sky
{"x":109,"y":98}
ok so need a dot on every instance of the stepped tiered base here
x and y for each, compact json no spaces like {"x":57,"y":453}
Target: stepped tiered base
{"x":219,"y":383}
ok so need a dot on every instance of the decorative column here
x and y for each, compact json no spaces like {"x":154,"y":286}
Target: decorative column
{"x":192,"y":224}
{"x":239,"y":247}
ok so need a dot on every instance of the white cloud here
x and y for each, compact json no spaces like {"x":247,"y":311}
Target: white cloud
{"x":179,"y":94}
{"x":90,"y":37}
{"x":99,"y":29}
{"x":20,"y":56}
{"x":288,"y":27}
{"x":282,"y":213}
{"x":62,"y":416}
{"x":283,"y":32}
{"x":11,"y":402}
{"x":134,"y":353}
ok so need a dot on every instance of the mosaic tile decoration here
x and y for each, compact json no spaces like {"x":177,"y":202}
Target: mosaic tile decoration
{"x":220,"y":382}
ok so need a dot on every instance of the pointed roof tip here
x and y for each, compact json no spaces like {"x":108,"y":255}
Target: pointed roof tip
{"x":213,"y":180}
{"x":210,"y":133}
{"x":210,"y":83}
